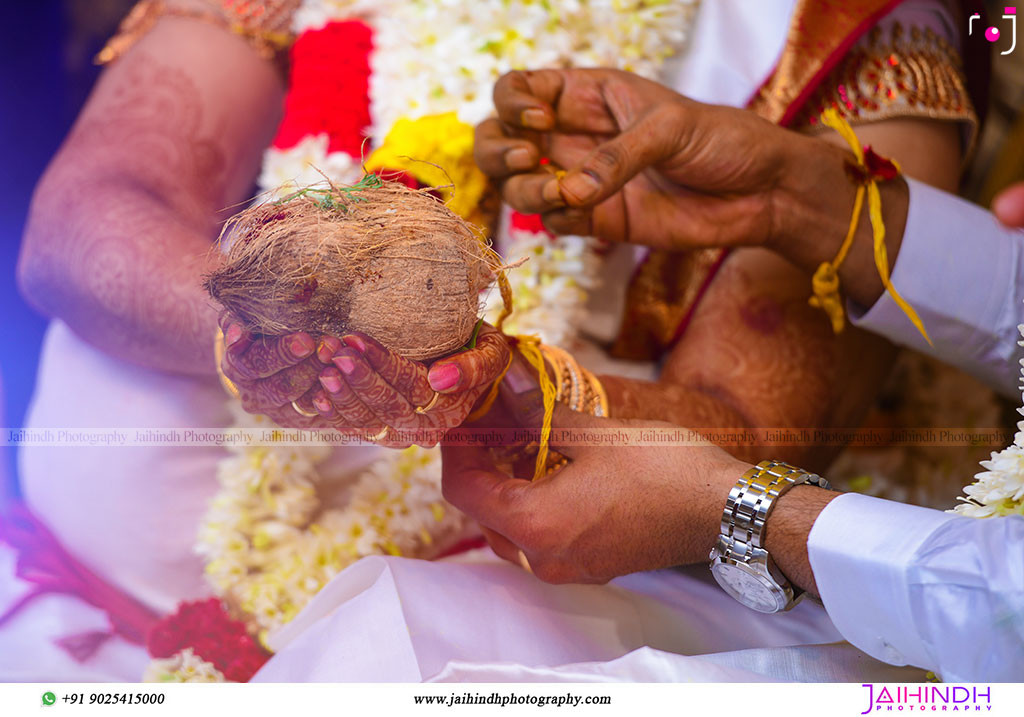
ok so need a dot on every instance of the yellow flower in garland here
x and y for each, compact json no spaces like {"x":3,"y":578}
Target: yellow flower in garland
{"x":416,"y":146}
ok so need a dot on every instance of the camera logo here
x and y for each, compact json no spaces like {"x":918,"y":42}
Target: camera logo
{"x":993,"y":33}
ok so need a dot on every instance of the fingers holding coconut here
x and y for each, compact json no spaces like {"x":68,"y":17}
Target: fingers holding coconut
{"x":340,"y":406}
{"x":266,"y":356}
{"x":236,"y":339}
{"x":287,"y":417}
{"x":281,"y":388}
{"x":327,"y":348}
{"x":387,"y":403}
{"x":269,"y":372}
{"x":407,"y":377}
{"x":394,"y":387}
{"x":473,"y":368}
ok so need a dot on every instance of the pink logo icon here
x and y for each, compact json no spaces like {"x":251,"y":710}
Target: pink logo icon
{"x":993,"y":34}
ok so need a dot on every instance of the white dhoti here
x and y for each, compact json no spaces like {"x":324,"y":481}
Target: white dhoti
{"x":480,"y":619}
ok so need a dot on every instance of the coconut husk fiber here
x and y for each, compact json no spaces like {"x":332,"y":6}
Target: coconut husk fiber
{"x":376,"y":257}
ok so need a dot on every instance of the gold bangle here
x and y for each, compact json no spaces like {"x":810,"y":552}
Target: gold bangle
{"x":569,"y":377}
{"x":599,"y":403}
{"x":578,"y":388}
{"x":218,"y":354}
{"x":553,"y":359}
{"x":264,"y":29}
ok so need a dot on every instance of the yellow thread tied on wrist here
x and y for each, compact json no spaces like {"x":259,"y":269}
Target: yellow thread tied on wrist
{"x":825,"y":282}
{"x":529,"y":347}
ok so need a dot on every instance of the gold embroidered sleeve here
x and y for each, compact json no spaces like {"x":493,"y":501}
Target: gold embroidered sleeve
{"x":264,"y":24}
{"x":896,"y":73}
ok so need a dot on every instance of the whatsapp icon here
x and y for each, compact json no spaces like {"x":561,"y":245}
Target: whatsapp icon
{"x":49,"y":698}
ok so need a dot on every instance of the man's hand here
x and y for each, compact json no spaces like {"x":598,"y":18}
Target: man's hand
{"x":611,"y":511}
{"x":644,"y":163}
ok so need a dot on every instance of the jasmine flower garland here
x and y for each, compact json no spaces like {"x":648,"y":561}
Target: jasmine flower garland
{"x":999,"y":490}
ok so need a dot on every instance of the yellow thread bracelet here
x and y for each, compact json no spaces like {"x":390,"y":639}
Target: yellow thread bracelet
{"x":529,"y":347}
{"x":826,"y":279}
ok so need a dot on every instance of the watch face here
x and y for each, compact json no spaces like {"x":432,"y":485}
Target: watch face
{"x":753,"y":590}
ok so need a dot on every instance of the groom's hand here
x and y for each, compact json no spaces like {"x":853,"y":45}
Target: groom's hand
{"x":611,"y":511}
{"x":643,"y":163}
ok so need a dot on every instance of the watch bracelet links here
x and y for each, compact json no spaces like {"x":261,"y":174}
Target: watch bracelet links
{"x":751,"y":500}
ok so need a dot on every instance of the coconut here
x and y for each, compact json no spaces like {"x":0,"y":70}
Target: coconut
{"x":376,"y":257}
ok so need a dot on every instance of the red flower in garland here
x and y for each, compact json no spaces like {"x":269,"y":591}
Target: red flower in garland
{"x":527,"y":223}
{"x":329,"y":87}
{"x":213,"y":636}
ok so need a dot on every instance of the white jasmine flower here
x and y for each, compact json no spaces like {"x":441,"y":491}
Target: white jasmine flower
{"x":438,"y":56}
{"x":308,"y":162}
{"x":551,"y":289}
{"x":999,"y":490}
{"x":184,"y":666}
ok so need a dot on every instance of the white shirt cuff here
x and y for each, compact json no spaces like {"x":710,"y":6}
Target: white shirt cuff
{"x":964,"y":275}
{"x":860,"y":548}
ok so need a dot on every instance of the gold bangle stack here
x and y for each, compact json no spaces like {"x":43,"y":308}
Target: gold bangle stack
{"x":576,"y":387}
{"x":264,"y":24}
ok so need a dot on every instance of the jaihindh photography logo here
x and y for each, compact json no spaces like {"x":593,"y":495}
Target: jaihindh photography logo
{"x":927,"y":698}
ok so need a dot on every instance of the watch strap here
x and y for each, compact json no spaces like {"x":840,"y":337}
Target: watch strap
{"x":752,"y":498}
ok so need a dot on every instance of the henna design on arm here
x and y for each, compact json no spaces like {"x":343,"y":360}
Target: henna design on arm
{"x":757,"y":356}
{"x":121,"y":226}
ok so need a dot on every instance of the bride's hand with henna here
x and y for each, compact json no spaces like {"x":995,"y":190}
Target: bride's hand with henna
{"x":355,"y":385}
{"x":272,"y":372}
{"x":369,"y":388}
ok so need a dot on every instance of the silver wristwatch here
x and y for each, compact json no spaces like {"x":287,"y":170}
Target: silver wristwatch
{"x":739,"y":561}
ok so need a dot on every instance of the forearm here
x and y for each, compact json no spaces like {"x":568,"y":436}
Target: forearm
{"x":121,"y":227}
{"x":757,"y":361}
{"x":123,"y":270}
{"x":788,"y":529}
{"x":814,"y":199}
{"x":681,"y":406}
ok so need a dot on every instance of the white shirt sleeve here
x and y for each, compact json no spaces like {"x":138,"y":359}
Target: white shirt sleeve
{"x":911,"y":585}
{"x":963,"y":273}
